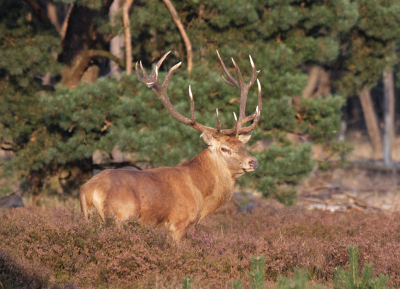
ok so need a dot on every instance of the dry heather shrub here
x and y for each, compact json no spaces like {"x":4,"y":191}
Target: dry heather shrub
{"x":58,"y":248}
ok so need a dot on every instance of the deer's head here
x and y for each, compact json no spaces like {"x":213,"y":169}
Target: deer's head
{"x":230,"y":152}
{"x":227,"y":146}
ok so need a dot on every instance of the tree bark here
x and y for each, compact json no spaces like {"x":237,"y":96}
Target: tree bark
{"x":312,"y":82}
{"x":117,"y":42}
{"x":64,"y":26}
{"x":388,"y":131}
{"x":185,"y":37}
{"x":371,"y":121}
{"x":52,"y":15}
{"x":324,"y":83}
{"x":76,"y":45}
{"x":318,"y":83}
{"x":128,"y":45}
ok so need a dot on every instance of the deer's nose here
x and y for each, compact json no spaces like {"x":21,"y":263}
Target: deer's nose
{"x":253,"y":164}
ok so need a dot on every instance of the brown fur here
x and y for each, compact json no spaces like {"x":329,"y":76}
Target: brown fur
{"x":177,"y":197}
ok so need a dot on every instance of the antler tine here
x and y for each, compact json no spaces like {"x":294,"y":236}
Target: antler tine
{"x":169,"y":74}
{"x":254,"y":72}
{"x":228,"y":82}
{"x":259,"y":105}
{"x":252,"y":126}
{"x":201,"y":127}
{"x":137,"y":72}
{"x":239,"y":74}
{"x":141,"y":68}
{"x":255,"y":116}
{"x":244,"y":90}
{"x":232,"y":130}
{"x":154,"y":73}
{"x":218,"y":122}
{"x":234,"y":81}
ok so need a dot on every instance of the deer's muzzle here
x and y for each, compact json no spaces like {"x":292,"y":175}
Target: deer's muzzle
{"x":253,"y":164}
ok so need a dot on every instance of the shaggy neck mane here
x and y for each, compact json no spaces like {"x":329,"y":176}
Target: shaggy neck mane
{"x":213,"y":181}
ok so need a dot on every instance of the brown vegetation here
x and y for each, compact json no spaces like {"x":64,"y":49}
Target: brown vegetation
{"x":56,"y":247}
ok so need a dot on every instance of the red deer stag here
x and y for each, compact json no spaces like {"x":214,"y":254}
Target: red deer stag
{"x":180,"y":196}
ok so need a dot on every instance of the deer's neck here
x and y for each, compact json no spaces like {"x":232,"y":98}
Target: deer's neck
{"x":212,"y":179}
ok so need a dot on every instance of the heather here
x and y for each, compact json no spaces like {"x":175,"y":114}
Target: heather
{"x":42,"y":248}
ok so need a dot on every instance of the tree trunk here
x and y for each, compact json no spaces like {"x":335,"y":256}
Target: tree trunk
{"x":318,"y":83}
{"x":324,"y":83}
{"x":128,"y":45}
{"x":371,"y":121}
{"x":388,"y":132}
{"x":76,"y":45}
{"x":312,"y":82}
{"x":117,"y":43}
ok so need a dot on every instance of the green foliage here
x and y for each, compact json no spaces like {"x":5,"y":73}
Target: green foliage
{"x":340,"y":149}
{"x":24,"y":47}
{"x":25,"y":57}
{"x":299,"y":281}
{"x":371,"y":45}
{"x":281,"y":165}
{"x":348,"y":279}
{"x":187,"y":283}
{"x":257,"y":275}
{"x":61,"y":128}
{"x":321,"y":117}
{"x":92,"y":4}
{"x":237,"y":284}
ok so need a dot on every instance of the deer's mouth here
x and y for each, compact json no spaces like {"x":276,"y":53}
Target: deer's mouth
{"x":247,"y":169}
{"x":250,"y":166}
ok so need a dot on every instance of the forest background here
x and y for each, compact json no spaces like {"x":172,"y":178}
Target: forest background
{"x":70,"y":105}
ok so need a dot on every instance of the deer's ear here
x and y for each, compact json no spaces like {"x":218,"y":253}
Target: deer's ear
{"x":208,"y":138}
{"x":245,"y":137}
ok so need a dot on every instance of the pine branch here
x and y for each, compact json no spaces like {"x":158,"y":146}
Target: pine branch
{"x":74,"y":73}
{"x":108,"y":55}
{"x":257,"y":276}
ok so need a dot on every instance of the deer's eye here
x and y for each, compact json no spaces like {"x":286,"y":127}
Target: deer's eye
{"x":225,"y":150}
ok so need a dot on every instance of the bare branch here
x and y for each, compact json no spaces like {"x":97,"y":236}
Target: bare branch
{"x":64,"y":27}
{"x":108,"y":55}
{"x":186,"y":39}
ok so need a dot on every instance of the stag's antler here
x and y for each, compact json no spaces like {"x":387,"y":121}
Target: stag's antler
{"x":244,"y":90}
{"x":160,"y":90}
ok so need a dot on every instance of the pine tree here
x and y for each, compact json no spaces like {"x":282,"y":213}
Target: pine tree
{"x":257,"y":275}
{"x":25,"y":45}
{"x":60,"y":129}
{"x":349,"y":278}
